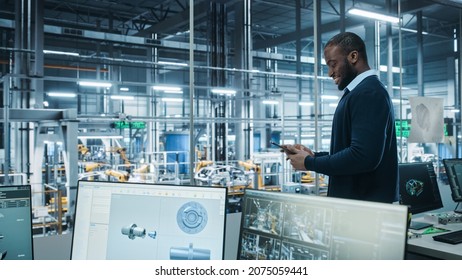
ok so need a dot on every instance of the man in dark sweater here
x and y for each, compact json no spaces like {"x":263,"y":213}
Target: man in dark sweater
{"x":363,"y":159}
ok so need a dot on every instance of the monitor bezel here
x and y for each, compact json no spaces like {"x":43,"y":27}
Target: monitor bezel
{"x":151,"y":184}
{"x":29,"y":190}
{"x":456,"y":190}
{"x":437,"y":202}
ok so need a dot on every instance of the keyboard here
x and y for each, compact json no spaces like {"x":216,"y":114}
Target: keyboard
{"x":453,"y":237}
{"x":419,"y":225}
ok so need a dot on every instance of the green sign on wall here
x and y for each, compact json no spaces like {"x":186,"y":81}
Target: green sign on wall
{"x":125,"y":124}
{"x":403,"y":128}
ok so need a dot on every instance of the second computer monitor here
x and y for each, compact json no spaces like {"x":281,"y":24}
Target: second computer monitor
{"x":418,"y":187}
{"x":453,"y":169}
{"x":148,"y":222}
{"x":16,"y":242}
{"x":282,"y":226}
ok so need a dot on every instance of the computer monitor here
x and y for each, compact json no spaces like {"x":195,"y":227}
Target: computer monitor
{"x":283,"y":226}
{"x":148,"y":222}
{"x":16,"y":239}
{"x":453,"y":169}
{"x":418,"y":187}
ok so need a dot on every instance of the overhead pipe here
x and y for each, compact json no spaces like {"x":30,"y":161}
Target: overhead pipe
{"x":64,"y":67}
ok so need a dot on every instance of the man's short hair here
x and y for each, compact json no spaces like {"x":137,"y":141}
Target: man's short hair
{"x":349,"y":42}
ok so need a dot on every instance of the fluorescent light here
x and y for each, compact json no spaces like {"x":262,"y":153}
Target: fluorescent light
{"x":373,"y":15}
{"x":403,"y":88}
{"x":94,"y":84}
{"x":413,"y":30}
{"x":173,"y":63}
{"x":168,"y":99}
{"x":333,"y":105}
{"x":384,"y":68}
{"x":61,"y":53}
{"x":223,"y":91}
{"x":308,"y":135}
{"x":122,"y":97}
{"x":311,"y":60}
{"x":173,"y":91}
{"x":124,"y":89}
{"x":166,"y":88}
{"x":329,"y":97}
{"x":45,"y":104}
{"x":270,"y":102}
{"x":62,"y":94}
{"x":455,"y":110}
{"x":306,"y":103}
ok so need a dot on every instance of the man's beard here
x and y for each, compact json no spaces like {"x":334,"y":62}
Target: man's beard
{"x":349,"y":74}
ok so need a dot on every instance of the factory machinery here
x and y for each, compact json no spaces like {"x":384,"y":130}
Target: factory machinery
{"x":110,"y":161}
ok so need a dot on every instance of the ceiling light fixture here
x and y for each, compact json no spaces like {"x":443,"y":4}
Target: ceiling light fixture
{"x":124,"y":89}
{"x":329,"y":97}
{"x":403,"y":88}
{"x":270,"y":102}
{"x":413,"y":30}
{"x":173,"y":91}
{"x":372,"y":15}
{"x":168,"y":99}
{"x":164,"y":88}
{"x":384,"y":68}
{"x":308,"y":135}
{"x":94,"y":84}
{"x":62,"y":94}
{"x":122,"y":97}
{"x":306,"y":103}
{"x":173,"y":63}
{"x":223,"y":91}
{"x":60,"y":53}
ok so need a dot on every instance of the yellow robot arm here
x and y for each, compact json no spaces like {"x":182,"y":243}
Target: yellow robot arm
{"x":202,"y":163}
{"x":120,"y":176}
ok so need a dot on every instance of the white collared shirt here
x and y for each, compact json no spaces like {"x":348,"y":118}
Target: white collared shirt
{"x":360,"y":78}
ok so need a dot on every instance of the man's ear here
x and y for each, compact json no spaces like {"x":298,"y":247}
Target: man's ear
{"x":353,"y":57}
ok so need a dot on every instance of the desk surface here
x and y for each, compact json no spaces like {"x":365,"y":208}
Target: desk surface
{"x":425,"y":245}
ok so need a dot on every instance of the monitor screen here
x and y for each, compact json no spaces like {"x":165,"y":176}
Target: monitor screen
{"x":453,"y":169}
{"x":16,"y":242}
{"x":283,"y":226}
{"x":148,"y":222}
{"x":418,"y":187}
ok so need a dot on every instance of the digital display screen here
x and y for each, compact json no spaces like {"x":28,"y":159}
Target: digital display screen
{"x":282,"y":226}
{"x":127,"y":221}
{"x":16,"y":242}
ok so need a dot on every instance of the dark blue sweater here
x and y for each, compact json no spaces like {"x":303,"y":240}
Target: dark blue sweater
{"x":363,"y":159}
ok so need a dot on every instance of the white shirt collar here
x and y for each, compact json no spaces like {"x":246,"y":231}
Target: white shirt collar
{"x":360,"y":78}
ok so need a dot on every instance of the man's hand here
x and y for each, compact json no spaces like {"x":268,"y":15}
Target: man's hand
{"x":296,"y":154}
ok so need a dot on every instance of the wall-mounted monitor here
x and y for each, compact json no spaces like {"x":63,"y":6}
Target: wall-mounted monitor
{"x":16,"y":240}
{"x":282,"y":226}
{"x":148,"y":222}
